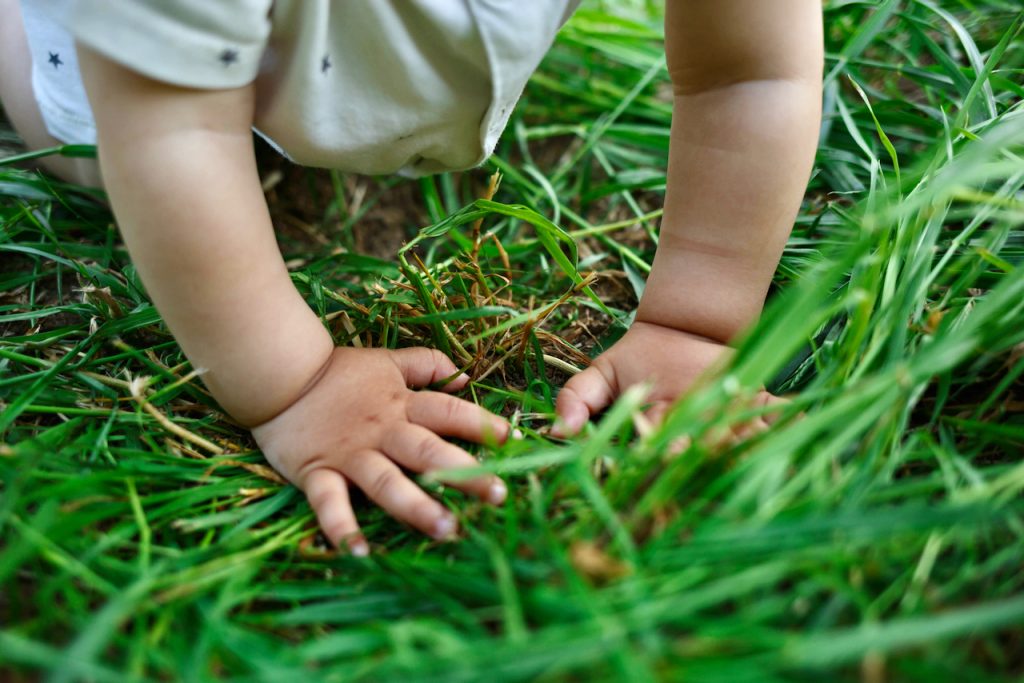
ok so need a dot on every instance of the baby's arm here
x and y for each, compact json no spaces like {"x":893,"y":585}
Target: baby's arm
{"x":747,"y":106}
{"x":179,"y":168}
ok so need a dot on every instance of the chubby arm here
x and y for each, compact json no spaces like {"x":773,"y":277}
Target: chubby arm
{"x":746,"y":79}
{"x":747,"y":108}
{"x":180,"y":170}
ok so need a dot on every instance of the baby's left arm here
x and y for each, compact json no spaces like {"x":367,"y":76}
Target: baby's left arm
{"x":747,"y":107}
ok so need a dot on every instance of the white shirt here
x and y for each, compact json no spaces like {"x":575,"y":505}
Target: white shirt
{"x":368,"y":86}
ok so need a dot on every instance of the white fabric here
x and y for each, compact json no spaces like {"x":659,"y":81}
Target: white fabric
{"x":55,"y":80}
{"x":368,"y":86}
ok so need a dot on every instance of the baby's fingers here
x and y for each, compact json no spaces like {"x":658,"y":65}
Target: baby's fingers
{"x":443,"y":414}
{"x":731,"y":435}
{"x":386,"y":485}
{"x":328,"y":496}
{"x":421,"y":450}
{"x":775,"y":407}
{"x":421,"y":366}
{"x":583,"y":395}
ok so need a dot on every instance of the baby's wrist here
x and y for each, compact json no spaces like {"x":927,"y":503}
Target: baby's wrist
{"x":290,"y":398}
{"x":710,"y":319}
{"x":256,"y":389}
{"x":683,"y":332}
{"x":713,"y":298}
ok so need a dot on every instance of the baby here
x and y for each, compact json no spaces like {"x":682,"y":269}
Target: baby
{"x":175,"y":90}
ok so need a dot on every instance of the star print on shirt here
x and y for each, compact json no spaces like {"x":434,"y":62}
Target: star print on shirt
{"x":228,"y":57}
{"x":325,"y":64}
{"x":55,"y":59}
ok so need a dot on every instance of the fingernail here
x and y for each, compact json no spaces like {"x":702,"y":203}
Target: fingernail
{"x":444,"y":528}
{"x":359,"y":548}
{"x":560,"y":430}
{"x":496,"y":494}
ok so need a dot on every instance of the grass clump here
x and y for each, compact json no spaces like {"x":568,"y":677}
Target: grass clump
{"x":874,"y":533}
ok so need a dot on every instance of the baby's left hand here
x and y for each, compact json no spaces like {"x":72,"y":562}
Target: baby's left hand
{"x":670,"y":359}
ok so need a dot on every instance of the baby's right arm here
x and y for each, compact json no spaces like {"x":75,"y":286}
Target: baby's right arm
{"x":179,"y":167}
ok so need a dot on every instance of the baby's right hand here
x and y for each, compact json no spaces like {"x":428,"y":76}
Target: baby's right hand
{"x":360,"y":422}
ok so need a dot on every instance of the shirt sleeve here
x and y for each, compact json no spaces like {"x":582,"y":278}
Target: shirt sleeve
{"x":191,"y":43}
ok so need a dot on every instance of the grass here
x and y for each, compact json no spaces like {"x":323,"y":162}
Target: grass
{"x":876,"y":537}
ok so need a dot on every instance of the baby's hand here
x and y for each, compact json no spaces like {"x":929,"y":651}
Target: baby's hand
{"x":670,"y":359}
{"x":360,"y":424}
